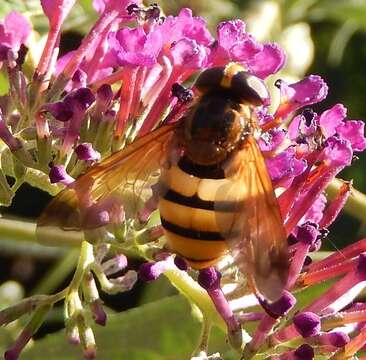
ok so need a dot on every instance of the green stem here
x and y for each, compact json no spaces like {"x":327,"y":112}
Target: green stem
{"x":28,"y":305}
{"x":73,"y":306}
{"x":195,"y":294}
{"x":18,"y":230}
{"x":24,"y":231}
{"x":86,"y":258}
{"x":202,"y":345}
{"x":356,"y":203}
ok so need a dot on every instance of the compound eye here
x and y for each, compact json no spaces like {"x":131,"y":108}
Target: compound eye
{"x":210,"y":79}
{"x":258,"y":86}
{"x":250,"y":88}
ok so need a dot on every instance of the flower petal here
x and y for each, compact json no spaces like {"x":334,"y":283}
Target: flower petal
{"x":330,"y":119}
{"x":353,"y":131}
{"x":268,"y":61}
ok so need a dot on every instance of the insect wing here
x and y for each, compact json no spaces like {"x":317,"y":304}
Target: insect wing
{"x":96,"y":196}
{"x":255,"y":233}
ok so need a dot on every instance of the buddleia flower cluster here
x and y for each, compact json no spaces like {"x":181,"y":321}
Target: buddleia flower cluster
{"x":131,"y":73}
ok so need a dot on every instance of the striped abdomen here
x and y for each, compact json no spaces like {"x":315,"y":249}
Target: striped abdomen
{"x":189,"y":213}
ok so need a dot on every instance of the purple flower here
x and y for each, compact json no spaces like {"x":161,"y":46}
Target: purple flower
{"x":104,"y":97}
{"x":105,"y":5}
{"x":285,"y":166}
{"x":14,"y":32}
{"x":134,"y":47}
{"x":268,"y":61}
{"x":304,"y":352}
{"x":234,"y":44}
{"x":188,"y":53}
{"x":99,"y":315}
{"x":353,"y":131}
{"x":315,"y":213}
{"x":330,"y":119}
{"x":85,"y":151}
{"x":56,"y":10}
{"x":209,"y":278}
{"x":59,"y":111}
{"x":281,"y":307}
{"x":78,"y":100}
{"x":180,"y":263}
{"x":59,"y":174}
{"x":187,"y":26}
{"x":307,"y":324}
{"x":308,"y":91}
{"x":334,"y":338}
{"x":114,"y":265}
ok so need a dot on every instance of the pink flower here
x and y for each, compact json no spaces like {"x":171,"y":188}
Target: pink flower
{"x":234,"y":44}
{"x":134,"y":47}
{"x":14,"y":30}
{"x":310,"y":90}
{"x":188,"y":54}
{"x":185,"y":25}
{"x":101,"y":5}
{"x":56,"y":10}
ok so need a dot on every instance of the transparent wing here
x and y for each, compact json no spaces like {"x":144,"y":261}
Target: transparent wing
{"x":109,"y":190}
{"x":251,"y":222}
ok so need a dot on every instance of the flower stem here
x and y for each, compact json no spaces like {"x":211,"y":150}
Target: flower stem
{"x":23,"y":231}
{"x":86,"y":258}
{"x":18,"y":230}
{"x":202,"y":345}
{"x":195,"y":294}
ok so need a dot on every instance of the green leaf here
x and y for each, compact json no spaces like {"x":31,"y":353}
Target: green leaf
{"x":164,"y":329}
{"x":156,"y":290}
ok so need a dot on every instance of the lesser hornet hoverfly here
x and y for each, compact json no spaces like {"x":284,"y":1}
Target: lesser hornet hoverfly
{"x":215,"y":193}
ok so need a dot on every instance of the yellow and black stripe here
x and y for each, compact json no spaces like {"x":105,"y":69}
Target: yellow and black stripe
{"x":188,"y":206}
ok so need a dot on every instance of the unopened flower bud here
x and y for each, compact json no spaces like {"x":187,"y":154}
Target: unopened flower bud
{"x":304,"y":352}
{"x":180,"y":263}
{"x":307,"y":324}
{"x":151,"y":271}
{"x":59,"y":174}
{"x":209,"y":278}
{"x":280,"y":307}
{"x":85,"y":151}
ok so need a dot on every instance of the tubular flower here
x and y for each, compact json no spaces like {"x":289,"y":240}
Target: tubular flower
{"x":14,"y":33}
{"x":128,"y":77}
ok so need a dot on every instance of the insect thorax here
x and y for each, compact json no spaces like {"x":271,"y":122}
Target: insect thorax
{"x":215,"y":127}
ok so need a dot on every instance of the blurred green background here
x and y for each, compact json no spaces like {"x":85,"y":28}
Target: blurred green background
{"x":324,"y":37}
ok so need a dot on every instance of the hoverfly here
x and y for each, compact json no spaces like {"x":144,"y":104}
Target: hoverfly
{"x":215,"y":196}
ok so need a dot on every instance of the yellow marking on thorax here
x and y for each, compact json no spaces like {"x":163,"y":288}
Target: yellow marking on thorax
{"x":230,"y":70}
